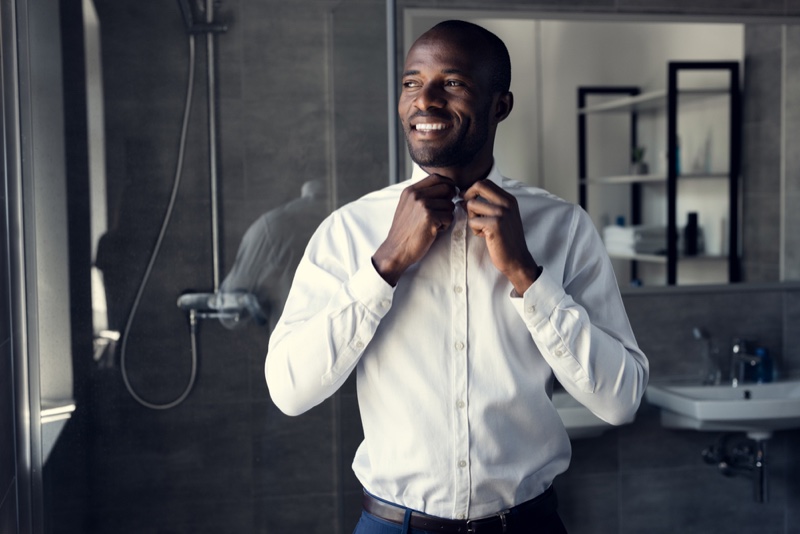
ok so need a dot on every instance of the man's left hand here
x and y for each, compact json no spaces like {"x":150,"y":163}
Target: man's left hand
{"x":494,"y":215}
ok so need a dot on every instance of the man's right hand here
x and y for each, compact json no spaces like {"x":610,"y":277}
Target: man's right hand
{"x":425,"y":209}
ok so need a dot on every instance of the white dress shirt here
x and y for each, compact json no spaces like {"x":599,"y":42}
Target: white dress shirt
{"x":454,"y":369}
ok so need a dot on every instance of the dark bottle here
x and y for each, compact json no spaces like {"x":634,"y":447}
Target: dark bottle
{"x":690,"y":235}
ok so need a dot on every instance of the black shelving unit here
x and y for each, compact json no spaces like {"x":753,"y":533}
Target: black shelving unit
{"x":631,"y":102}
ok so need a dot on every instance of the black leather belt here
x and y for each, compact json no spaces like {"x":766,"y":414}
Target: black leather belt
{"x":527,"y":514}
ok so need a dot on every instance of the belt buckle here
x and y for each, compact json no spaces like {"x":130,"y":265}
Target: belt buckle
{"x":501,"y":515}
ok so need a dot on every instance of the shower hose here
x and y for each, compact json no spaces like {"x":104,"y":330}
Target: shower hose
{"x":154,"y":255}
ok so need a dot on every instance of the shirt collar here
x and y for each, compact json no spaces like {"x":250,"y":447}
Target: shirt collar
{"x":417,"y":174}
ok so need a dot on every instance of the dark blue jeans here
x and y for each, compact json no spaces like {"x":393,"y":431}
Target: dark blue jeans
{"x":369,"y":524}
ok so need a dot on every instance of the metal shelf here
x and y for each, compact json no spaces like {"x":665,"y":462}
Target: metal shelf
{"x":630,"y":100}
{"x":662,"y":258}
{"x":650,"y":178}
{"x":653,"y":100}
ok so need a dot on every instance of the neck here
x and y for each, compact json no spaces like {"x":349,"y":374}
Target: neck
{"x":463,"y":176}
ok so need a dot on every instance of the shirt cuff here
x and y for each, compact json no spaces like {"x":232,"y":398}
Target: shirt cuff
{"x":538,"y":302}
{"x":538,"y":309}
{"x":371,"y":290}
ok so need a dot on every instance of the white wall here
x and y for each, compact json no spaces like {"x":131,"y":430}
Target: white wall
{"x":616,"y":53}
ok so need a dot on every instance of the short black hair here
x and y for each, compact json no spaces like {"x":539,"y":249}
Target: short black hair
{"x":495,"y":49}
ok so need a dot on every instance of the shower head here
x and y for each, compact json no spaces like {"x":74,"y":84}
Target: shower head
{"x":194,"y":13}
{"x":187,"y":13}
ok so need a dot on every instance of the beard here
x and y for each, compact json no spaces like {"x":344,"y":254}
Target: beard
{"x":456,"y":151}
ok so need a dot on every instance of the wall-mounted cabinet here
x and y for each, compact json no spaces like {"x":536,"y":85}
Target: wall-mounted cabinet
{"x":667,"y":197}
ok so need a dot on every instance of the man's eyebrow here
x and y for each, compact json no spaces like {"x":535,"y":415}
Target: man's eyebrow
{"x":414,"y":72}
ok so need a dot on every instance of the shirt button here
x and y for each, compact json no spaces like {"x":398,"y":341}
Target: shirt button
{"x":460,"y":404}
{"x":462,"y":463}
{"x":530,"y":309}
{"x":359,"y":344}
{"x":559,"y":353}
{"x":459,"y":345}
{"x":458,"y":234}
{"x":461,"y":516}
{"x":384,"y":303}
{"x":458,"y":289}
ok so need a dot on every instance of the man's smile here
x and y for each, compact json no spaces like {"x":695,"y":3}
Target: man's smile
{"x":429,"y":127}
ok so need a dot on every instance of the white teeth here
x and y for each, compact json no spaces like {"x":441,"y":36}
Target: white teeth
{"x":428,"y":127}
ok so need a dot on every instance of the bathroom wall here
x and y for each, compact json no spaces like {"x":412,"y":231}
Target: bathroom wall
{"x":644,"y":478}
{"x":226,"y":460}
{"x":761,"y":164}
{"x":292,"y":107}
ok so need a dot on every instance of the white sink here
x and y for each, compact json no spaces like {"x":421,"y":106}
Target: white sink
{"x":757,"y":409}
{"x":578,"y":420}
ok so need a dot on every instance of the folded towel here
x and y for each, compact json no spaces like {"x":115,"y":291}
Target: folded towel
{"x":628,"y":240}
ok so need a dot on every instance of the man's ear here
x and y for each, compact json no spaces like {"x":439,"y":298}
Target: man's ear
{"x":503,"y":106}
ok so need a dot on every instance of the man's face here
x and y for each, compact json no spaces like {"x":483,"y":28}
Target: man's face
{"x":446,"y":102}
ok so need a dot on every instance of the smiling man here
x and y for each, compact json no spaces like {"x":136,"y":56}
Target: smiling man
{"x":457,"y":298}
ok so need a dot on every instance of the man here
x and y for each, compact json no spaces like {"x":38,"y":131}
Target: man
{"x":457,"y":314}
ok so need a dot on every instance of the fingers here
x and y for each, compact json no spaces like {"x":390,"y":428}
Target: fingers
{"x":434,"y":186}
{"x":486,"y":200}
{"x":434,"y":195}
{"x":489,"y":192}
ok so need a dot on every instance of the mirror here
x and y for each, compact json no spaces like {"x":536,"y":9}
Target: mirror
{"x":301,"y":96}
{"x":541,"y":143}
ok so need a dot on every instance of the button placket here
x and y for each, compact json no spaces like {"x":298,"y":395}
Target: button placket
{"x":460,"y":354}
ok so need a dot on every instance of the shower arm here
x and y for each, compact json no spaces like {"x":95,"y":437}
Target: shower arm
{"x":210,"y":29}
{"x":213,"y":165}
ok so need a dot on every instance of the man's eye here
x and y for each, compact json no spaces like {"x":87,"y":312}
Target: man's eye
{"x":410,"y":84}
{"x":453,"y":83}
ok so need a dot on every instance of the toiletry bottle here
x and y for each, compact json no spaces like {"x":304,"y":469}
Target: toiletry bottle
{"x":764,"y":368}
{"x":690,"y":235}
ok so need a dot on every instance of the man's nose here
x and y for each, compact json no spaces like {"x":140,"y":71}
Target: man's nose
{"x":430,"y":96}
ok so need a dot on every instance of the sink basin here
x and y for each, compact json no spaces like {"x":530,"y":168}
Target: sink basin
{"x":753,"y":408}
{"x":578,"y":420}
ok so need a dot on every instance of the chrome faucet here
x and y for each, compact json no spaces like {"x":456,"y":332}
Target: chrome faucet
{"x":744,"y":362}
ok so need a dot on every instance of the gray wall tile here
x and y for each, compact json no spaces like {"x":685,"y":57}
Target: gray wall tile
{"x":8,"y":511}
{"x":663,"y":326}
{"x":792,"y":163}
{"x":589,"y":503}
{"x":761,"y":154}
{"x":791,"y":334}
{"x":766,"y":7}
{"x":793,"y":7}
{"x":292,"y":455}
{"x":693,"y":500}
{"x":290,"y":513}
{"x":579,"y":5}
{"x":761,"y":228}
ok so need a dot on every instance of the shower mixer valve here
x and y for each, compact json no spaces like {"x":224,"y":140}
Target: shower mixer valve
{"x":233,"y":305}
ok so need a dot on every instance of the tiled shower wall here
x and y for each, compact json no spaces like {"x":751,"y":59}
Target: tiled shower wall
{"x":302,"y":95}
